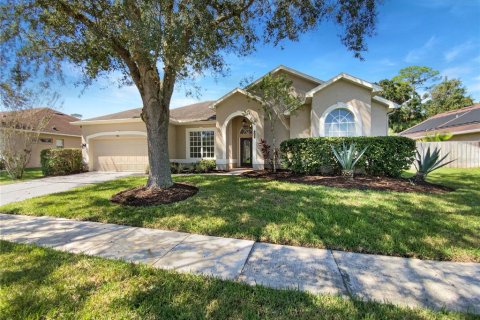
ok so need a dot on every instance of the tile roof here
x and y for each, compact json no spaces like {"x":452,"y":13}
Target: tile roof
{"x":463,"y":119}
{"x":58,"y":123}
{"x":193,"y":112}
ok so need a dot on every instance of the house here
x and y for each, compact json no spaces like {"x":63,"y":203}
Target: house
{"x":463,"y":124}
{"x":56,"y":130}
{"x":230,"y":128}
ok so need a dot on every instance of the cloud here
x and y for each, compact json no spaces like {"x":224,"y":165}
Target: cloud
{"x":457,"y":72}
{"x":454,"y":52}
{"x":387,"y":62}
{"x":417,"y":54}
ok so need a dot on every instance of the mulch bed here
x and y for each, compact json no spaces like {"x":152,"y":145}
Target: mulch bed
{"x":142,"y":196}
{"x":360,"y":182}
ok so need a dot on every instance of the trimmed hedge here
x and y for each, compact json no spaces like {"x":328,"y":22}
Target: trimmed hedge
{"x":57,"y":162}
{"x":385,"y":156}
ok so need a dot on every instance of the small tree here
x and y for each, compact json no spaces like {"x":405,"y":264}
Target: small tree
{"x":278,"y":99}
{"x":448,"y":95}
{"x":20,"y":122}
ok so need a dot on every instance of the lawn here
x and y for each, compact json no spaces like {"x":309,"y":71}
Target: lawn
{"x":38,"y":283}
{"x":29,"y":174}
{"x":427,"y":226}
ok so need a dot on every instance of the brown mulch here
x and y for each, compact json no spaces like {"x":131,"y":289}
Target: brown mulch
{"x":359,"y":182}
{"x":142,"y":196}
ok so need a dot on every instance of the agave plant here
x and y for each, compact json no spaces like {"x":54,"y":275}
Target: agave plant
{"x":348,"y":158}
{"x":429,"y":162}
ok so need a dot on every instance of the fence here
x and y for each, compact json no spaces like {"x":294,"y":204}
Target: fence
{"x":465,"y":153}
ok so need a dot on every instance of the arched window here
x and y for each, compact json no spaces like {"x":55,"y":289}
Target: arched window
{"x":340,"y":123}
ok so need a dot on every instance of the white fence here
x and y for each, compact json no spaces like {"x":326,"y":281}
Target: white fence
{"x":465,"y":153}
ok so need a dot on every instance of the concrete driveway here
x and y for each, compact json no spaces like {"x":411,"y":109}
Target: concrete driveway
{"x":25,"y":190}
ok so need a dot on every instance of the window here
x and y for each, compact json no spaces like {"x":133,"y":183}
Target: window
{"x":340,"y":123}
{"x":46,"y":140}
{"x":59,"y":143}
{"x":201,"y":144}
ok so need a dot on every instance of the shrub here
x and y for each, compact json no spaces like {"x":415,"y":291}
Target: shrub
{"x":56,"y":162}
{"x":385,"y":156}
{"x":206,"y":165}
{"x":348,"y":158}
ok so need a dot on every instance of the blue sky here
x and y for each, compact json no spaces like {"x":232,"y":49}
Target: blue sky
{"x":441,"y":34}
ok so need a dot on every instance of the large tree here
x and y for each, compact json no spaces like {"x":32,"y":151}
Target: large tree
{"x":446,"y":96}
{"x":404,"y":89}
{"x":156,"y":44}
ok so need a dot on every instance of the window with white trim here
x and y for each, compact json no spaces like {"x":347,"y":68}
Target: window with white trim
{"x":340,"y":123}
{"x":59,"y":143}
{"x":201,"y":144}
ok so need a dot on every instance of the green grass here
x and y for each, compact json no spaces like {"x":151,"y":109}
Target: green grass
{"x":427,"y":226}
{"x":38,"y":283}
{"x":29,"y":174}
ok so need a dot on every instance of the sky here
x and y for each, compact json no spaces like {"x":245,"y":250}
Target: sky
{"x":441,"y":34}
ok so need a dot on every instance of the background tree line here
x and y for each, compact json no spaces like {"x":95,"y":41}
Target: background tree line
{"x":422,"y":93}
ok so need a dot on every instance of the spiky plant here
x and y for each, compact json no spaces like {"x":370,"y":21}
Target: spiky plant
{"x":348,"y":157}
{"x":429,"y":162}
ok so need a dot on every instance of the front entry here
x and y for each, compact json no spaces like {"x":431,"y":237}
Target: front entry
{"x":246,"y":152}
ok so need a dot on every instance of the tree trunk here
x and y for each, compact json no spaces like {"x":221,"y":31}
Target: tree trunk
{"x":156,"y":115}
{"x":274,"y":147}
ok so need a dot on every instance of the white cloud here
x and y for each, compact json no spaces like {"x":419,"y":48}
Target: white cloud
{"x":457,"y":72}
{"x":387,"y":62}
{"x":454,"y":52}
{"x":417,"y":54}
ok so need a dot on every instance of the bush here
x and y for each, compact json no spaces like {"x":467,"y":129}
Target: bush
{"x":56,"y":162}
{"x":385,"y":156}
{"x":206,"y":165}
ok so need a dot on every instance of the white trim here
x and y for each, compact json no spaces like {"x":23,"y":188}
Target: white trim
{"x":231,"y":93}
{"x":187,"y":143}
{"x":109,"y":121}
{"x":341,"y":105}
{"x":390,"y":104}
{"x":44,"y":132}
{"x":363,"y":83}
{"x":254,"y":133}
{"x":288,"y":70}
{"x":115,"y":133}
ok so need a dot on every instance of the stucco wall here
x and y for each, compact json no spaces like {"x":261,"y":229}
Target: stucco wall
{"x":345,"y":92}
{"x":466,"y":137}
{"x":301,"y":85}
{"x":68,"y":142}
{"x":300,"y":122}
{"x":379,"y":119}
{"x":236,"y":106}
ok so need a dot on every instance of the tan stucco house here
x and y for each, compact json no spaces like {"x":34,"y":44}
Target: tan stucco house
{"x":229,"y":129}
{"x":57,"y":132}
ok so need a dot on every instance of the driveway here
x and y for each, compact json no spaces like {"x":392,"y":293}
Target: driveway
{"x":25,"y":190}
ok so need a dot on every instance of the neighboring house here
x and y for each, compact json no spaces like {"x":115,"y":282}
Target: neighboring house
{"x":230,"y":128}
{"x":463,"y":124}
{"x":57,"y":132}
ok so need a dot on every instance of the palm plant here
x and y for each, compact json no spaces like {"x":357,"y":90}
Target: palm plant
{"x":429,"y":162}
{"x":348,"y":158}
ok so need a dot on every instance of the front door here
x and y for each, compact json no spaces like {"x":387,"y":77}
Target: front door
{"x":246,"y":152}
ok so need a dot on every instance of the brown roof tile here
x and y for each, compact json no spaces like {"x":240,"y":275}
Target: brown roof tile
{"x":193,"y":112}
{"x":59,"y":123}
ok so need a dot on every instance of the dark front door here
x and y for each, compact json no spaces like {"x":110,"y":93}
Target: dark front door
{"x":246,"y":152}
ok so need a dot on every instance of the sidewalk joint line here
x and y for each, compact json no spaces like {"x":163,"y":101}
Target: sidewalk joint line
{"x":344,"y":281}
{"x":246,"y":260}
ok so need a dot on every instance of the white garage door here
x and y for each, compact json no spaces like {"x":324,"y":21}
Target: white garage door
{"x":120,"y":154}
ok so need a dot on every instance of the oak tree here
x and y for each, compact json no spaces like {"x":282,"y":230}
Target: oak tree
{"x":155,"y":44}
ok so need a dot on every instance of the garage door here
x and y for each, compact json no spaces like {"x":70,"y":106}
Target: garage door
{"x":120,"y":154}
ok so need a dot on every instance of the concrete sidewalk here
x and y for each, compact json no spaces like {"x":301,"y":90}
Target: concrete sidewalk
{"x":402,"y":281}
{"x":25,"y":190}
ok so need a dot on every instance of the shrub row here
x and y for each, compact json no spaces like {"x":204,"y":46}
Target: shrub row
{"x":203,"y":166}
{"x":385,"y":156}
{"x":57,"y":162}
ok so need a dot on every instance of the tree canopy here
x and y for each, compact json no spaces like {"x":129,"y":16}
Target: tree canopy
{"x":448,"y":95}
{"x":155,"y":44}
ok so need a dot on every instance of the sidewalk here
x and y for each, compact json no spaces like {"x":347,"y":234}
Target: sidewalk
{"x":402,"y":281}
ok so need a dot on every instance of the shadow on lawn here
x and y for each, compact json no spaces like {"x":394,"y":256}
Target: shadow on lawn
{"x":413,"y":225}
{"x":44,"y":283}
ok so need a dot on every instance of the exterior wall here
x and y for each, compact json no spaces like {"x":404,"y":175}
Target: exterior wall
{"x":379,"y":119}
{"x":346,"y":92}
{"x":301,"y":85}
{"x":466,"y":137}
{"x":300,"y":122}
{"x":282,"y":132}
{"x":236,"y":106}
{"x":68,"y":142}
